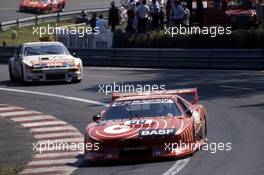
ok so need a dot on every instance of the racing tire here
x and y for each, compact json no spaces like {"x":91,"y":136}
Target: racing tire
{"x":22,"y":75}
{"x":11,"y":76}
{"x":21,"y":9}
{"x":76,"y":81}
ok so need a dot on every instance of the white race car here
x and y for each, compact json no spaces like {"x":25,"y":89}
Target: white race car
{"x":44,"y":61}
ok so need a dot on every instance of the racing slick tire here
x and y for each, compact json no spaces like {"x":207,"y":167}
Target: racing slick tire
{"x":22,"y":75}
{"x":21,"y":9}
{"x":11,"y":76}
{"x":76,"y":81}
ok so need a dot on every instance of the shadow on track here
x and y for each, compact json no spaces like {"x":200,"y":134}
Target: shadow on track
{"x":81,"y":163}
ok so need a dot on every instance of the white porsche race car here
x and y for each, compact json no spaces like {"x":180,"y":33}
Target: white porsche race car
{"x":44,"y":61}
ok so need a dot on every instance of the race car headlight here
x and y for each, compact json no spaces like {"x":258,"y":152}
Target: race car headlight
{"x":251,"y":18}
{"x":78,"y":65}
{"x":233,"y":18}
{"x":28,"y":68}
{"x":156,"y":151}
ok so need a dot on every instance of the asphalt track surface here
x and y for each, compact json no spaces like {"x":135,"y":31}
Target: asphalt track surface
{"x":9,"y":8}
{"x":234,"y":102}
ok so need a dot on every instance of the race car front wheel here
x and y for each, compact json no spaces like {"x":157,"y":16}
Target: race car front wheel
{"x":11,"y":76}
{"x":22,"y":74}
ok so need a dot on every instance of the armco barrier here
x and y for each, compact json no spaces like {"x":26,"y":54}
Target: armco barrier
{"x":252,"y":59}
{"x":37,"y":19}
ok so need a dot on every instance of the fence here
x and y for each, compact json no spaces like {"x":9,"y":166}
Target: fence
{"x":251,"y":59}
{"x":34,"y":20}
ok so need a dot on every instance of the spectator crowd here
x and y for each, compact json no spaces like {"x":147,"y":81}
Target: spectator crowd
{"x":140,"y":16}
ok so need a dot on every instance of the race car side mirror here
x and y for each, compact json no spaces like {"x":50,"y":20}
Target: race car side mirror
{"x":188,"y":112}
{"x":96,"y":118}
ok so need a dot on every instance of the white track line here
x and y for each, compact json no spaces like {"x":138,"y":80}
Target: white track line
{"x":51,"y":162}
{"x":57,"y":128}
{"x":32,"y":118}
{"x":34,"y":124}
{"x":10,"y":108}
{"x":56,"y":135}
{"x":46,"y":170}
{"x":56,"y":95}
{"x":54,"y":155}
{"x":9,"y":114}
{"x":177,"y":167}
{"x":68,"y":140}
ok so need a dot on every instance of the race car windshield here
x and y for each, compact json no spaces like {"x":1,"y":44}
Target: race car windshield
{"x":142,"y":108}
{"x":50,"y":49}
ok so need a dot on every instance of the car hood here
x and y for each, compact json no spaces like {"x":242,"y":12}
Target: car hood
{"x":241,"y":12}
{"x":49,"y":60}
{"x":136,"y":128}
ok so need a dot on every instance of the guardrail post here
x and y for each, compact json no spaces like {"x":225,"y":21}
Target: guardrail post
{"x":36,"y":20}
{"x":17,"y":21}
{"x":58,"y":17}
{"x":1,"y":26}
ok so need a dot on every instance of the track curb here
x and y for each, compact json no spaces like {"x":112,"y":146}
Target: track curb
{"x":46,"y":129}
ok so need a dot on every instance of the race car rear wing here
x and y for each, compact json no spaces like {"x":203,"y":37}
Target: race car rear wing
{"x":191,"y":95}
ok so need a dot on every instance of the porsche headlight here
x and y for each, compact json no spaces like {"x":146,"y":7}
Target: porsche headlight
{"x":251,"y":18}
{"x":28,"y":68}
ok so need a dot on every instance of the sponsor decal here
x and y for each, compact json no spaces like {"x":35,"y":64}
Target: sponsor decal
{"x":157,"y":132}
{"x":138,"y":122}
{"x":116,"y":129}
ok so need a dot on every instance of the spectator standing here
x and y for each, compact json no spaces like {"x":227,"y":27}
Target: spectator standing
{"x":186,"y":17}
{"x":113,"y":17}
{"x":169,"y":12}
{"x":136,"y":18}
{"x":92,"y":21}
{"x":101,"y":24}
{"x":131,"y":16}
{"x":131,"y":9}
{"x":200,"y":13}
{"x":4,"y":43}
{"x":178,"y":13}
{"x":82,"y":19}
{"x":155,"y":13}
{"x":161,"y":14}
{"x":143,"y":14}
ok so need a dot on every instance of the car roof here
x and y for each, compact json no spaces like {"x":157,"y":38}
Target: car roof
{"x":145,"y":97}
{"x":42,"y":43}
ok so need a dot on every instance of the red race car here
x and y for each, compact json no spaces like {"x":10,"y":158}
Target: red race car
{"x":163,"y":124}
{"x":42,"y":6}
